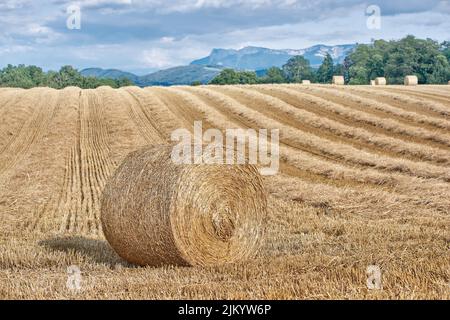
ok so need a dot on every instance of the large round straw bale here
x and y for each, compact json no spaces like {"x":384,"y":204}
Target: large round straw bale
{"x":411,"y":81}
{"x":338,"y":80}
{"x":306,"y":81}
{"x":380,"y":81}
{"x":156,"y":212}
{"x":372,"y":82}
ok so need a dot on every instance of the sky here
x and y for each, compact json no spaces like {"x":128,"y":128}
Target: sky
{"x":142,"y":36}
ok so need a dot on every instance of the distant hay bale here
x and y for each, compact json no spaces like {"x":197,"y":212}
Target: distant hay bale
{"x":306,"y":81}
{"x":155,"y":212}
{"x":411,"y":81}
{"x":372,"y":82}
{"x":380,"y":81}
{"x":338,"y":80}
{"x":448,"y":81}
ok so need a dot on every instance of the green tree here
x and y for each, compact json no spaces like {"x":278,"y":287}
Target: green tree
{"x":297,"y":69}
{"x":230,"y":76}
{"x":358,"y":75}
{"x":338,"y":70}
{"x":356,"y":67}
{"x":445,"y":48}
{"x":274,"y":75}
{"x":123,"y":82}
{"x":326,"y":70}
{"x":31,"y":76}
{"x":226,"y":76}
{"x":68,"y":76}
{"x":375,"y":66}
{"x":21,"y":76}
{"x":247,"y":77}
{"x":196,"y":83}
{"x":425,"y":58}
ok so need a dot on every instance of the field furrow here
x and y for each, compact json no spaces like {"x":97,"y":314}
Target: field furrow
{"x":407,"y":100}
{"x":385,"y":110}
{"x":428,"y":94}
{"x":336,"y":152}
{"x":164,"y":119}
{"x":441,"y":91}
{"x":7,"y":97}
{"x":307,"y":166}
{"x":363,"y":179}
{"x":367,"y":121}
{"x":262,"y":99}
{"x":29,"y":133}
{"x":143,"y":118}
{"x":186,"y":117}
{"x":309,"y":169}
{"x":294,"y":110}
{"x":17,"y":109}
{"x":89,"y":167}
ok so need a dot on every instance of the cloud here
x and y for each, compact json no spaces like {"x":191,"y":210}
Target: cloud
{"x":144,"y":35}
{"x":157,"y":58}
{"x":171,"y":53}
{"x":167,"y":39}
{"x":14,"y":49}
{"x":186,"y":6}
{"x":93,"y":3}
{"x":13,"y":4}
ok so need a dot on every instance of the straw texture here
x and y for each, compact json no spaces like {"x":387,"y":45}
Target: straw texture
{"x":338,"y":80}
{"x":411,"y":81}
{"x":155,"y":212}
{"x":380,"y":81}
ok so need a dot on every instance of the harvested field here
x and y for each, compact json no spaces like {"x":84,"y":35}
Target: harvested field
{"x":364,"y":180}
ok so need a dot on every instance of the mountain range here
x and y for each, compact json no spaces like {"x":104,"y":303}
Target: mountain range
{"x":205,"y":69}
{"x":256,"y":58}
{"x":168,"y":77}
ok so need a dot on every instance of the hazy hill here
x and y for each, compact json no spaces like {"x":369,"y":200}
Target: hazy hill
{"x":172,"y":76}
{"x":180,"y":75}
{"x":108,"y":74}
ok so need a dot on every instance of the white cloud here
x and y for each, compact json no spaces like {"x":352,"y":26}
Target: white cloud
{"x":144,"y":35}
{"x":193,"y":5}
{"x":15,"y":49}
{"x":175,"y":53}
{"x":167,"y":40}
{"x":98,"y":3}
{"x":40,"y":33}
{"x":157,"y":58}
{"x":13,"y":4}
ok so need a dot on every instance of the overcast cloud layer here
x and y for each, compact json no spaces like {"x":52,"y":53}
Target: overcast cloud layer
{"x":146,"y":35}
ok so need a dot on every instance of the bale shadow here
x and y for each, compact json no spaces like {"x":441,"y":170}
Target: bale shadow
{"x":98,"y":251}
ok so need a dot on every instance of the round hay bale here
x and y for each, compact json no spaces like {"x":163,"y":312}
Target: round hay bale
{"x":338,"y":80}
{"x":306,"y":81}
{"x":380,"y":81}
{"x":411,"y":81}
{"x":155,"y":212}
{"x":372,"y":82}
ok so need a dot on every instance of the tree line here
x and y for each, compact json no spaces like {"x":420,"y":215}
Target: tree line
{"x":429,"y":60}
{"x":26,"y":77}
